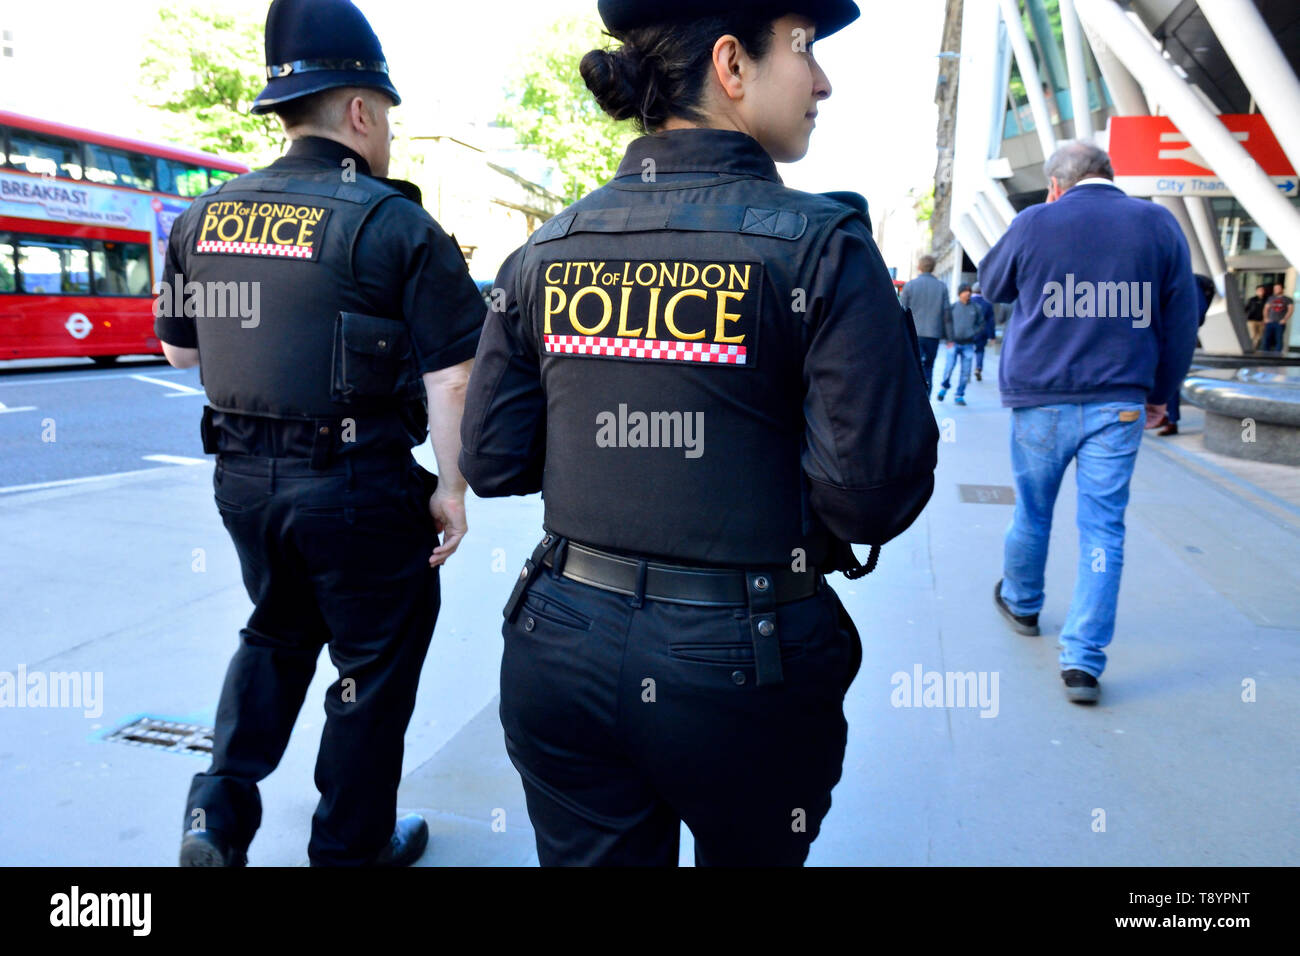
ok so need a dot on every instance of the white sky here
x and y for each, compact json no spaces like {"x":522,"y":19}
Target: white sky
{"x":875,"y":135}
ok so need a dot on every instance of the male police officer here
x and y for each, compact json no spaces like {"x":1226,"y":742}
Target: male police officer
{"x":712,"y":379}
{"x":314,"y":404}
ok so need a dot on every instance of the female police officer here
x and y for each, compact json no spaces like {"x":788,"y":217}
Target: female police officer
{"x":711,"y":378}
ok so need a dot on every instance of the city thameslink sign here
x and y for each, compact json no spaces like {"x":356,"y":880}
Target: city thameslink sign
{"x":1152,"y":158}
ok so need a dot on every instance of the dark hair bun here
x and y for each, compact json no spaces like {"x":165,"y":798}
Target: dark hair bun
{"x":617,"y":79}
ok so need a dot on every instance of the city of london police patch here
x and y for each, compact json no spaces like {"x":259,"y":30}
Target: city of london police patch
{"x":245,"y":228}
{"x":703,"y":313}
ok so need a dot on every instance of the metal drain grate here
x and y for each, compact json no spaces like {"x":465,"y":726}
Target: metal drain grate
{"x":166,"y":735}
{"x":987,"y":494}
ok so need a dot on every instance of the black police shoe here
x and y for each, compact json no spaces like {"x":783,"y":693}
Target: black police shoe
{"x":1026,"y":624}
{"x":410,"y":837}
{"x":206,"y":848}
{"x":1081,"y":687}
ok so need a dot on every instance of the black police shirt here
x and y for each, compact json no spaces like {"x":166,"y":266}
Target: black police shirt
{"x":843,"y":383}
{"x":408,"y":268}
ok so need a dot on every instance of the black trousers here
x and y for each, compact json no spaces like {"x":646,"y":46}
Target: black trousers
{"x":623,"y":722}
{"x":338,"y":558}
{"x":929,"y":350}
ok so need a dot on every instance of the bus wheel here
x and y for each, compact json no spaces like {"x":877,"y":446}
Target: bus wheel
{"x":104,"y":361}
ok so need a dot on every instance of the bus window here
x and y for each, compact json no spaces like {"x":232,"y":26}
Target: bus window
{"x":7,"y":281}
{"x":216,"y":176}
{"x":114,"y":167}
{"x":53,"y":267}
{"x":181,"y":178}
{"x":49,"y":155}
{"x":121,"y":268}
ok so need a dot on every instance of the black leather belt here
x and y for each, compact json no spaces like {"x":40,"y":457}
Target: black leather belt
{"x":678,"y":584}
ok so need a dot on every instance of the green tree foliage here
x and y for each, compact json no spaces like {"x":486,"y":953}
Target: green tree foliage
{"x":205,"y":67}
{"x":549,"y":107}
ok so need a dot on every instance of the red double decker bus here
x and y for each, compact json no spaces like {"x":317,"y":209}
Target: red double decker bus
{"x":84,"y":221}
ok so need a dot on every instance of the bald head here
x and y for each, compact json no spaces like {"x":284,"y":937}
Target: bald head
{"x":1077,"y":160}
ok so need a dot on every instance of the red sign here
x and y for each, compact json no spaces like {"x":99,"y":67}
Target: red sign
{"x":1153,"y":146}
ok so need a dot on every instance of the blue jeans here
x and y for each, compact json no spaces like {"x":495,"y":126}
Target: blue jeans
{"x":967,"y":353}
{"x":1044,"y":439}
{"x":979,"y":355}
{"x":1272,"y":338}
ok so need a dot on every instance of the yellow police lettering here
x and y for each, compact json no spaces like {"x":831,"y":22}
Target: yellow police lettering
{"x":736,"y":280}
{"x":650,"y":328}
{"x":719,"y":331}
{"x":553,"y":265}
{"x":221,"y":229}
{"x":275,"y":232}
{"x":623,"y":331}
{"x":671,"y":309}
{"x":722,"y":275}
{"x":606,"y":315}
{"x":552,"y":294}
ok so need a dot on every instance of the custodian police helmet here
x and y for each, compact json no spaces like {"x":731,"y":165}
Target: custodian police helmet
{"x":619,"y":15}
{"x":315,"y":45}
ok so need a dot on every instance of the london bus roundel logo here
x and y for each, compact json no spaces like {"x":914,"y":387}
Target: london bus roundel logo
{"x":78,"y":325}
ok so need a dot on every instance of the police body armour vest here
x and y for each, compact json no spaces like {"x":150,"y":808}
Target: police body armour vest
{"x":283,"y":242}
{"x":671,"y":324}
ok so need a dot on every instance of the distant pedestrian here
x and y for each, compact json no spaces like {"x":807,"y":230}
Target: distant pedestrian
{"x":989,"y":331}
{"x":927,"y":298}
{"x":1255,"y":314}
{"x":1276,"y":315}
{"x":1098,"y":330}
{"x":1205,"y":286}
{"x":962,"y":326}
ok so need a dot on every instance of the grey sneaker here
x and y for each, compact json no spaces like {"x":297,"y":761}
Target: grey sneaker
{"x":1026,"y":624}
{"x":1081,"y":687}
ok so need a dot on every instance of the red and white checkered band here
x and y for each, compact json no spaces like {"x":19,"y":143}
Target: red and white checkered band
{"x":647,"y":349}
{"x":254,"y":249}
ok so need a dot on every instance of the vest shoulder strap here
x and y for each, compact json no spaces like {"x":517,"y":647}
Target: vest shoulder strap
{"x":785,"y":224}
{"x":362,"y":192}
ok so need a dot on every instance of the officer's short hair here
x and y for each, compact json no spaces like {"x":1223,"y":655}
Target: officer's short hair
{"x":1076,"y":160}
{"x":925,"y":263}
{"x":326,"y":109}
{"x":659,"y":72}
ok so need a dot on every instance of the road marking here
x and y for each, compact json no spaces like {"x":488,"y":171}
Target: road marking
{"x":90,"y":375}
{"x":65,"y":482}
{"x":182,"y":389}
{"x":175,"y":460}
{"x":5,"y":409}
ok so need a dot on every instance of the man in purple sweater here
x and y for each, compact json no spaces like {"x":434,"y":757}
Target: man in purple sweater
{"x":1102,"y":333}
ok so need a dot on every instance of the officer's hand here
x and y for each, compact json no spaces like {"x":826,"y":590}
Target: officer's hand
{"x":448,"y":511}
{"x":1156,"y":415}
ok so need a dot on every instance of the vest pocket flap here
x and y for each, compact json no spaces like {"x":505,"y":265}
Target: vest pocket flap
{"x":372,"y":335}
{"x":371,"y":358}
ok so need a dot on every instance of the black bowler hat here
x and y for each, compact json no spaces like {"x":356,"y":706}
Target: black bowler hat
{"x":619,"y":15}
{"x":314,"y":45}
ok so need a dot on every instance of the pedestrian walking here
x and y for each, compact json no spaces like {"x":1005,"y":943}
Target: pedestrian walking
{"x":360,"y":347}
{"x":1100,"y":337}
{"x":963,"y":325}
{"x":927,"y":299}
